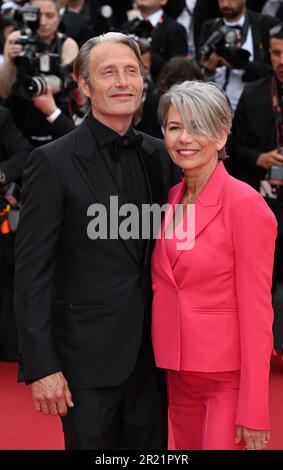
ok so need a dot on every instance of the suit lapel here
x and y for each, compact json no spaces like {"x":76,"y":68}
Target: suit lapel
{"x":163,"y":259}
{"x":94,"y":170}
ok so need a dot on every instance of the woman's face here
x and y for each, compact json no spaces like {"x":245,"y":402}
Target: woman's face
{"x":187,"y":150}
{"x":49,"y":19}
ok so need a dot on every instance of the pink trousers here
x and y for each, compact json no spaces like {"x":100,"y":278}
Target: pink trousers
{"x":202,"y":409}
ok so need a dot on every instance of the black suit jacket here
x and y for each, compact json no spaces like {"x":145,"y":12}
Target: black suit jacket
{"x":169,"y":39}
{"x":253,"y":132}
{"x":80,"y":303}
{"x":14,"y":148}
{"x":260,"y":26}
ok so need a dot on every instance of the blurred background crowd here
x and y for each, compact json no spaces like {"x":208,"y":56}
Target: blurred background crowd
{"x":236,"y":43}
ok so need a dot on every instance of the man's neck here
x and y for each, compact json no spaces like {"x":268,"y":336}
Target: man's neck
{"x":149,"y":12}
{"x":75,"y":9}
{"x":119,"y":124}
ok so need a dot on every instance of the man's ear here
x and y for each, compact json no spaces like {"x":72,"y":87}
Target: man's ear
{"x":84,"y":86}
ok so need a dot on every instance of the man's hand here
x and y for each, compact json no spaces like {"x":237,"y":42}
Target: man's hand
{"x":255,"y":439}
{"x":213,"y":62}
{"x":209,"y":64}
{"x":267,"y":159}
{"x":51,"y":395}
{"x":45,"y":103}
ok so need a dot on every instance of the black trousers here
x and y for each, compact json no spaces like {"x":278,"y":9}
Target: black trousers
{"x":129,"y":416}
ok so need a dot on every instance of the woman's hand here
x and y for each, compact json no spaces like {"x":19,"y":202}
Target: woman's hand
{"x":255,"y":439}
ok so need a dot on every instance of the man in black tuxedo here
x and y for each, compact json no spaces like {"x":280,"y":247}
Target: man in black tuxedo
{"x":83,"y":298}
{"x":168,"y":38}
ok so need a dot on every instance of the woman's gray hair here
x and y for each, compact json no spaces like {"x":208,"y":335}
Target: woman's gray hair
{"x":81,"y":62}
{"x":203,"y":108}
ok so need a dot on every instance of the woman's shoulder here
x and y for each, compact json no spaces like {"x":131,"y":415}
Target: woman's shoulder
{"x":239,"y":188}
{"x":67,"y":42}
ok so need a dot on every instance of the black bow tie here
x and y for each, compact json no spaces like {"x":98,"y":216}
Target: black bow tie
{"x":144,"y":29}
{"x":128,"y":141}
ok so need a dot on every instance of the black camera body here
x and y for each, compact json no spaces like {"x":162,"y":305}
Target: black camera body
{"x":36,"y":66}
{"x":226,"y":42}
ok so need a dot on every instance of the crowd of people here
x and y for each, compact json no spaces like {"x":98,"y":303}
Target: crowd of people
{"x":152,"y":102}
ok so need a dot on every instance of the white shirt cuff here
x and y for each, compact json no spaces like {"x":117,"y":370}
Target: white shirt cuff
{"x":53,"y":116}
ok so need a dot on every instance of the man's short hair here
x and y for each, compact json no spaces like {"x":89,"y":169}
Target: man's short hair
{"x":81,"y":62}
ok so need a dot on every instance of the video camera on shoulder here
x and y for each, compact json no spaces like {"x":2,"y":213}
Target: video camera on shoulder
{"x":226,"y":42}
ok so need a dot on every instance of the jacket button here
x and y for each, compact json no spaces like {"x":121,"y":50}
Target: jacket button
{"x":154,"y":287}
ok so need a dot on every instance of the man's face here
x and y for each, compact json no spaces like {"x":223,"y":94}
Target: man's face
{"x":49,"y":19}
{"x":150,"y":5}
{"x":276,"y":57}
{"x":115,"y":85}
{"x":232,"y":9}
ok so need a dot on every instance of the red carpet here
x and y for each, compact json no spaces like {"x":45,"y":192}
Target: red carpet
{"x":22,"y":428}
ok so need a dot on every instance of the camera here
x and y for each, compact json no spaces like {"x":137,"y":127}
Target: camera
{"x":36,"y":66}
{"x":35,"y":71}
{"x":226,"y":42}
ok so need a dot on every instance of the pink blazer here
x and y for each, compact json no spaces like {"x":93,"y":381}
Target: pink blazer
{"x":212,"y":312}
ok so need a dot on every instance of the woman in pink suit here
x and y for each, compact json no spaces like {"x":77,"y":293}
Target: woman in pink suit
{"x":212,"y":312}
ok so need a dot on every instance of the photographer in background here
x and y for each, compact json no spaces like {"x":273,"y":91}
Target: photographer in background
{"x":14,"y":151}
{"x":34,"y":124}
{"x":256,"y":152}
{"x":167,"y":37}
{"x":217,"y":59}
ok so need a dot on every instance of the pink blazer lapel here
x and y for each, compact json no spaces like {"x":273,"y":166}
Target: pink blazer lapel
{"x":206,"y":208}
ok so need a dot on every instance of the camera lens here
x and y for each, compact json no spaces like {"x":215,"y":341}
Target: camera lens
{"x":37,"y":86}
